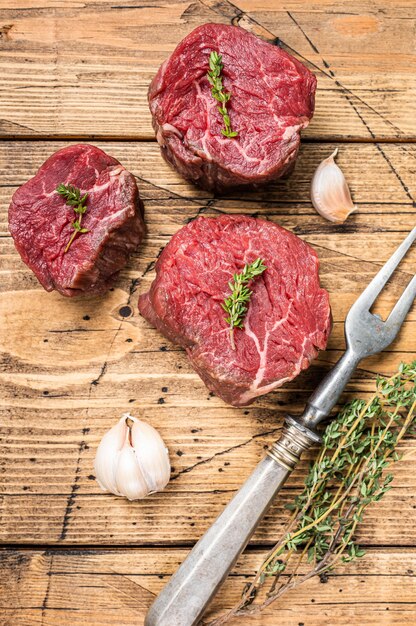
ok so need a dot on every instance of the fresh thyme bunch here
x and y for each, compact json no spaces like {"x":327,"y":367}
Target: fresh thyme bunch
{"x":348,"y":475}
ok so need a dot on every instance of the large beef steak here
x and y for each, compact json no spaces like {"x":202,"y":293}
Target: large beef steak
{"x":40,"y":221}
{"x":272,"y":99}
{"x":287,"y":321}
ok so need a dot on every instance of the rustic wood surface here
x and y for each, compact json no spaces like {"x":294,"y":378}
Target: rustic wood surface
{"x":69,"y":368}
{"x":116,"y":587}
{"x":81,"y":69}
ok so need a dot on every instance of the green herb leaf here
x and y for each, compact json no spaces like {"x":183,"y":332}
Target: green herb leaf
{"x":73,"y":198}
{"x":218,"y":93}
{"x":236,"y":304}
{"x":348,"y":475}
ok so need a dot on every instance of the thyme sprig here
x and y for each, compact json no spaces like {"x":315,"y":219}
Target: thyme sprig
{"x":217,"y":91}
{"x":73,"y":198}
{"x":348,"y":475}
{"x":236,"y":304}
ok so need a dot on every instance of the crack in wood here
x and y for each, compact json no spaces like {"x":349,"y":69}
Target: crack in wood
{"x":151,"y":265}
{"x":396,"y":173}
{"x":207,"y":204}
{"x":103,"y":370}
{"x":134,"y":283}
{"x":224,"y":7}
{"x":310,"y":42}
{"x":48,"y":588}
{"x":74,"y":489}
{"x":171,"y":194}
{"x":4,"y":122}
{"x":372,"y":264}
{"x":130,"y":589}
{"x":186,"y":470}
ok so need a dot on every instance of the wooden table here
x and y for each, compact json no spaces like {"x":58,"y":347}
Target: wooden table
{"x":76,"y":70}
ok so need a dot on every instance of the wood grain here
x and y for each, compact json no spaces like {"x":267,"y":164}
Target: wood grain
{"x":73,"y":71}
{"x":82,"y":69}
{"x":107,"y":587}
{"x":70,"y":367}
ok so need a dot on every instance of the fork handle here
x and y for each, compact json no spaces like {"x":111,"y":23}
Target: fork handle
{"x":184,"y":599}
{"x":327,"y":394}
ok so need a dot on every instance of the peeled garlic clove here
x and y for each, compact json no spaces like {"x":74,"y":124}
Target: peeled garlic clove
{"x":330,"y":193}
{"x":132,"y":460}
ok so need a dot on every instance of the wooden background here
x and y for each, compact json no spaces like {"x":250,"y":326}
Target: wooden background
{"x":79,"y":70}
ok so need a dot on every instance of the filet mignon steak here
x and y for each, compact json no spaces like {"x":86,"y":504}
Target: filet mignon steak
{"x":288,"y":317}
{"x":40,"y":221}
{"x":272,"y":99}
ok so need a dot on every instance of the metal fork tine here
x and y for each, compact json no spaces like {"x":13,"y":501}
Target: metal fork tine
{"x":371,"y":292}
{"x":403,"y":305}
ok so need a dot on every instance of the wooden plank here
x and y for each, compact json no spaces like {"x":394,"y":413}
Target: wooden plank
{"x":377,"y":174}
{"x":82,"y":69}
{"x":117,"y":587}
{"x":174,"y":517}
{"x":70,"y":367}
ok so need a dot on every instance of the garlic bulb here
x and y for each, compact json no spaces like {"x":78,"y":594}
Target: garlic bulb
{"x":330,"y":194}
{"x":132,"y":460}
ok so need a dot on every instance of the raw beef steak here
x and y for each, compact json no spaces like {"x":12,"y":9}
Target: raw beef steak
{"x":288,"y":317}
{"x":40,"y":221}
{"x":272,"y":99}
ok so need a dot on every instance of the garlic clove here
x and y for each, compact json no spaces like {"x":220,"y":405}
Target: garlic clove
{"x":132,"y":459}
{"x":129,"y":478}
{"x":106,"y":458}
{"x":330,"y":193}
{"x":152,"y":455}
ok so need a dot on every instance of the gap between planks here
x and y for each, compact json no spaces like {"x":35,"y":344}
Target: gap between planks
{"x":113,"y":547}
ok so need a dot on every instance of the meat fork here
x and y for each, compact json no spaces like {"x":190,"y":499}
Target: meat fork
{"x":183,"y":601}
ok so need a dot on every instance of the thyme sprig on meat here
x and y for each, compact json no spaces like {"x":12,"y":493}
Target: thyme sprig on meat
{"x":348,"y":475}
{"x":218,"y":92}
{"x":236,"y":304}
{"x":73,"y":198}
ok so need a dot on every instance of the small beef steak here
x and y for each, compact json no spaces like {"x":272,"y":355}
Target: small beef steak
{"x":40,"y":221}
{"x":288,"y":318}
{"x":272,"y":99}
